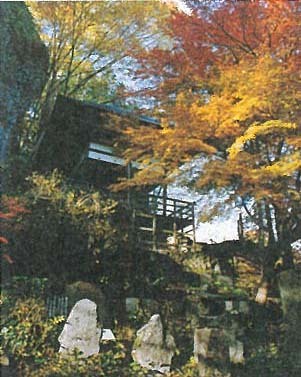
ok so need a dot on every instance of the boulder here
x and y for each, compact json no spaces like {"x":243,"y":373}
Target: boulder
{"x":208,"y":346}
{"x":218,"y":345}
{"x":80,"y":331}
{"x":236,"y":352}
{"x":290,"y":293}
{"x":151,"y":349}
{"x":4,"y":361}
{"x":233,"y":336}
{"x":201,"y":343}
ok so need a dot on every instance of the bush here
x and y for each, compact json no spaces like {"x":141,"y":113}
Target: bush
{"x":66,"y":226}
{"x":25,"y":286}
{"x":27,"y":334}
{"x":111,"y":363}
{"x":190,"y":369}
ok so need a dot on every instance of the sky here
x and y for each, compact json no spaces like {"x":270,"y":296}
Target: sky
{"x":220,"y":228}
{"x":181,"y":5}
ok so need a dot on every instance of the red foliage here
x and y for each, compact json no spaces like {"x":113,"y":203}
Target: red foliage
{"x":220,"y":34}
{"x":3,"y":240}
{"x":10,"y":209}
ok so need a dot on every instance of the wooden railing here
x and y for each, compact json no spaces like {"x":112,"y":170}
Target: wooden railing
{"x":165,"y":206}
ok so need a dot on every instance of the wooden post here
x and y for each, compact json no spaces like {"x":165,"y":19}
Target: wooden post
{"x":193,"y":227}
{"x":133,"y":236}
{"x":154,"y":232}
{"x":164,"y":199}
{"x":175,"y":223}
{"x":240,"y":228}
{"x":129,"y":176}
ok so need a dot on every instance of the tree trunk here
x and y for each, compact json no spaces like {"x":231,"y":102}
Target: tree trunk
{"x":268,"y":274}
{"x":260,"y":225}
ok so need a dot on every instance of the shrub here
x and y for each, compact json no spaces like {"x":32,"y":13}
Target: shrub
{"x":25,"y":286}
{"x":190,"y":369}
{"x":27,"y":334}
{"x":66,"y":226}
{"x":111,"y":362}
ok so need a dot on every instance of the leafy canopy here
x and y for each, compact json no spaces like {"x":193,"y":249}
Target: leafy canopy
{"x":229,"y":90}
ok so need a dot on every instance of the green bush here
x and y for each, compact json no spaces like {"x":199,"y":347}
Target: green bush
{"x":111,"y":363}
{"x":266,"y":362}
{"x":25,"y":286}
{"x":190,"y":369}
{"x":27,"y":334}
{"x":74,"y":365}
{"x":65,"y":226}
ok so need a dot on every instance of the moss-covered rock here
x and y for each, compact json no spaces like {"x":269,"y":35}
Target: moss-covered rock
{"x":83,"y":290}
{"x":290,"y":292}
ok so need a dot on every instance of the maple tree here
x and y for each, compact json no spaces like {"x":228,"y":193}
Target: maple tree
{"x":10,"y":209}
{"x":230,"y":91}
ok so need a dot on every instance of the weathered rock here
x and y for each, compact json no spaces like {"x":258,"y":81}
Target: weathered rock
{"x":80,"y":330}
{"x":23,"y":68}
{"x":107,"y":334}
{"x":216,"y":344}
{"x":290,"y":292}
{"x":237,"y":306}
{"x":236,"y":347}
{"x":208,"y":345}
{"x":134,"y":305}
{"x":80,"y":290}
{"x":4,"y":360}
{"x":201,"y":342}
{"x":236,"y":352}
{"x":151,"y":349}
{"x":243,"y":307}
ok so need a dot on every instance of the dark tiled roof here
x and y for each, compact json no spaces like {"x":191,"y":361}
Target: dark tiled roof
{"x":117,"y":110}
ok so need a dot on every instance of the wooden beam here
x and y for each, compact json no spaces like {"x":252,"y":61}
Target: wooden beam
{"x":106,"y":158}
{"x":101,"y":148}
{"x":96,"y":152}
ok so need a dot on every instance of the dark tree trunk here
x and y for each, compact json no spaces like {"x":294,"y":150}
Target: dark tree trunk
{"x":268,"y":274}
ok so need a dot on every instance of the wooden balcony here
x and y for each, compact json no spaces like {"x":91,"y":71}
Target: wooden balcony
{"x":158,"y":218}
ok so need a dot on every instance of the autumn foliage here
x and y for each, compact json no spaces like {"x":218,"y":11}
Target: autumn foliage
{"x":230,"y":91}
{"x":10,"y":209}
